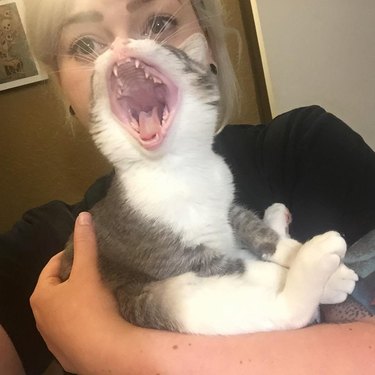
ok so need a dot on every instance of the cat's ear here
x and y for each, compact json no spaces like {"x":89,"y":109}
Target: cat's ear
{"x":196,"y":47}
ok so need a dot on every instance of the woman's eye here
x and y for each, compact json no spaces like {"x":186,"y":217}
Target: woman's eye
{"x":87,"y":47}
{"x":157,"y":25}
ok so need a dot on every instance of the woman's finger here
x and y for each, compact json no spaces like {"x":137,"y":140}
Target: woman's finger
{"x":50,"y":273}
{"x":85,"y":254}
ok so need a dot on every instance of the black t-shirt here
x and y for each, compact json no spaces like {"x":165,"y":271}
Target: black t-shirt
{"x":307,"y":159}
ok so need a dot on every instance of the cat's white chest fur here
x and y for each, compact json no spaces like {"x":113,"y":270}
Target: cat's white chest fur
{"x":192,"y":197}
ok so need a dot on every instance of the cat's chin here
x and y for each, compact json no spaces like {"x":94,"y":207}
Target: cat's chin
{"x":144,"y":100}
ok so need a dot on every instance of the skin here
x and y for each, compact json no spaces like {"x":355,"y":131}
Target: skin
{"x":9,"y":361}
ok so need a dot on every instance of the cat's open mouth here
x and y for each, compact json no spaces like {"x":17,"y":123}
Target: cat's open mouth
{"x":143,"y":99}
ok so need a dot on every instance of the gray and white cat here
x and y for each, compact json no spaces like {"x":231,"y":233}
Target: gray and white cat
{"x":173,"y":247}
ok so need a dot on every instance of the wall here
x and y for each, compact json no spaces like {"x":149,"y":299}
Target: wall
{"x":320,"y":52}
{"x":43,"y":158}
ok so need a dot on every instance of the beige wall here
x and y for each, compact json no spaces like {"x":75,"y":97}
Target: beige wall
{"x":320,"y":52}
{"x":40,"y":157}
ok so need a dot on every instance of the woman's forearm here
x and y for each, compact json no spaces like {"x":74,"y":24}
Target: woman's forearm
{"x":324,"y":349}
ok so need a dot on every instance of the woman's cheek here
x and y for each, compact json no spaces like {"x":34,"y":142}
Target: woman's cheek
{"x":75,"y":84}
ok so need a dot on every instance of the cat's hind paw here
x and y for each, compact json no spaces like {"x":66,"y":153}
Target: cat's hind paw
{"x":319,"y":258}
{"x":339,"y":285}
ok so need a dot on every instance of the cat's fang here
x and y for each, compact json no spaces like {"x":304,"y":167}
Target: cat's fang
{"x":115,"y":70}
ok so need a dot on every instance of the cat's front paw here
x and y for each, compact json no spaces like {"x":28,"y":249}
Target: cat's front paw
{"x":339,"y":285}
{"x":278,"y":217}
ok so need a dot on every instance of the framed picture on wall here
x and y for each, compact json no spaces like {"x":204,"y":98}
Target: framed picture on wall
{"x":17,"y":65}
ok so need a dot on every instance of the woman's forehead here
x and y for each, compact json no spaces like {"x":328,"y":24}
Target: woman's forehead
{"x":134,"y":5}
{"x":110,"y":11}
{"x":128,"y":5}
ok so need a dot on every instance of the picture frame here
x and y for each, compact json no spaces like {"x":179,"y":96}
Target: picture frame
{"x":17,"y":65}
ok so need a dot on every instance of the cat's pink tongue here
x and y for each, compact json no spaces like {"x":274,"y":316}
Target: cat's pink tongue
{"x":149,"y":124}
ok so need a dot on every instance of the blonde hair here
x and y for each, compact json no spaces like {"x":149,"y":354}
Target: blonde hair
{"x":44,"y":21}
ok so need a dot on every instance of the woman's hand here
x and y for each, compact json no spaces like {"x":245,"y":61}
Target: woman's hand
{"x":73,"y":315}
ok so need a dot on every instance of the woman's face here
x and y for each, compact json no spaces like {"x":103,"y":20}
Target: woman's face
{"x":93,"y":25}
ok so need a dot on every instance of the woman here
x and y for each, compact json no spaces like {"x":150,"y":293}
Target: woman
{"x":307,"y":159}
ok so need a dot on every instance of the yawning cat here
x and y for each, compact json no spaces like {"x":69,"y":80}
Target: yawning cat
{"x":174,"y":248}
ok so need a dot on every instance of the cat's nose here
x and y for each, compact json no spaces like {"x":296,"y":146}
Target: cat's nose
{"x":119,"y":43}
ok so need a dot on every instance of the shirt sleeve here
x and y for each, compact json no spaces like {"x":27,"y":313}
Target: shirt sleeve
{"x":24,"y":250}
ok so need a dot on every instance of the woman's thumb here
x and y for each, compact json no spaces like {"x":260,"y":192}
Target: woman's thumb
{"x":85,"y":248}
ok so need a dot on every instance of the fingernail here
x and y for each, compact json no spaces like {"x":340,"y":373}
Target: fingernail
{"x":84,"y":218}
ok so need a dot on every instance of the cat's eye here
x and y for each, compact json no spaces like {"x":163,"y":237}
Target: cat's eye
{"x":87,"y":48}
{"x":157,"y":25}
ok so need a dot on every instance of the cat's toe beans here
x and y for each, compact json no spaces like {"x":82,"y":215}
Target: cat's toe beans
{"x":329,"y":243}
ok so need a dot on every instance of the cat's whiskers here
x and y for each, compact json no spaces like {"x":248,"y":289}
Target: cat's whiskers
{"x":173,"y":15}
{"x":157,"y":36}
{"x":81,"y":68}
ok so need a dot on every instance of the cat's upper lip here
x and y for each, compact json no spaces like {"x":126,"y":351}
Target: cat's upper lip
{"x":143,"y":99}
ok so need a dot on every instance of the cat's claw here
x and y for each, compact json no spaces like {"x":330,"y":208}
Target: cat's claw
{"x":339,"y":285}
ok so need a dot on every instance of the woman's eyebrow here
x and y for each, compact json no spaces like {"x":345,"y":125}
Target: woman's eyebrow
{"x":89,"y":16}
{"x":137,"y":4}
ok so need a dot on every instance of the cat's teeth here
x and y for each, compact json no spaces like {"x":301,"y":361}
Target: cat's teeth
{"x":147,"y":74}
{"x":120,"y":83}
{"x":157,"y":80}
{"x":165,"y":113}
{"x":120,"y":92}
{"x":115,"y":70}
{"x":137,"y":63}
